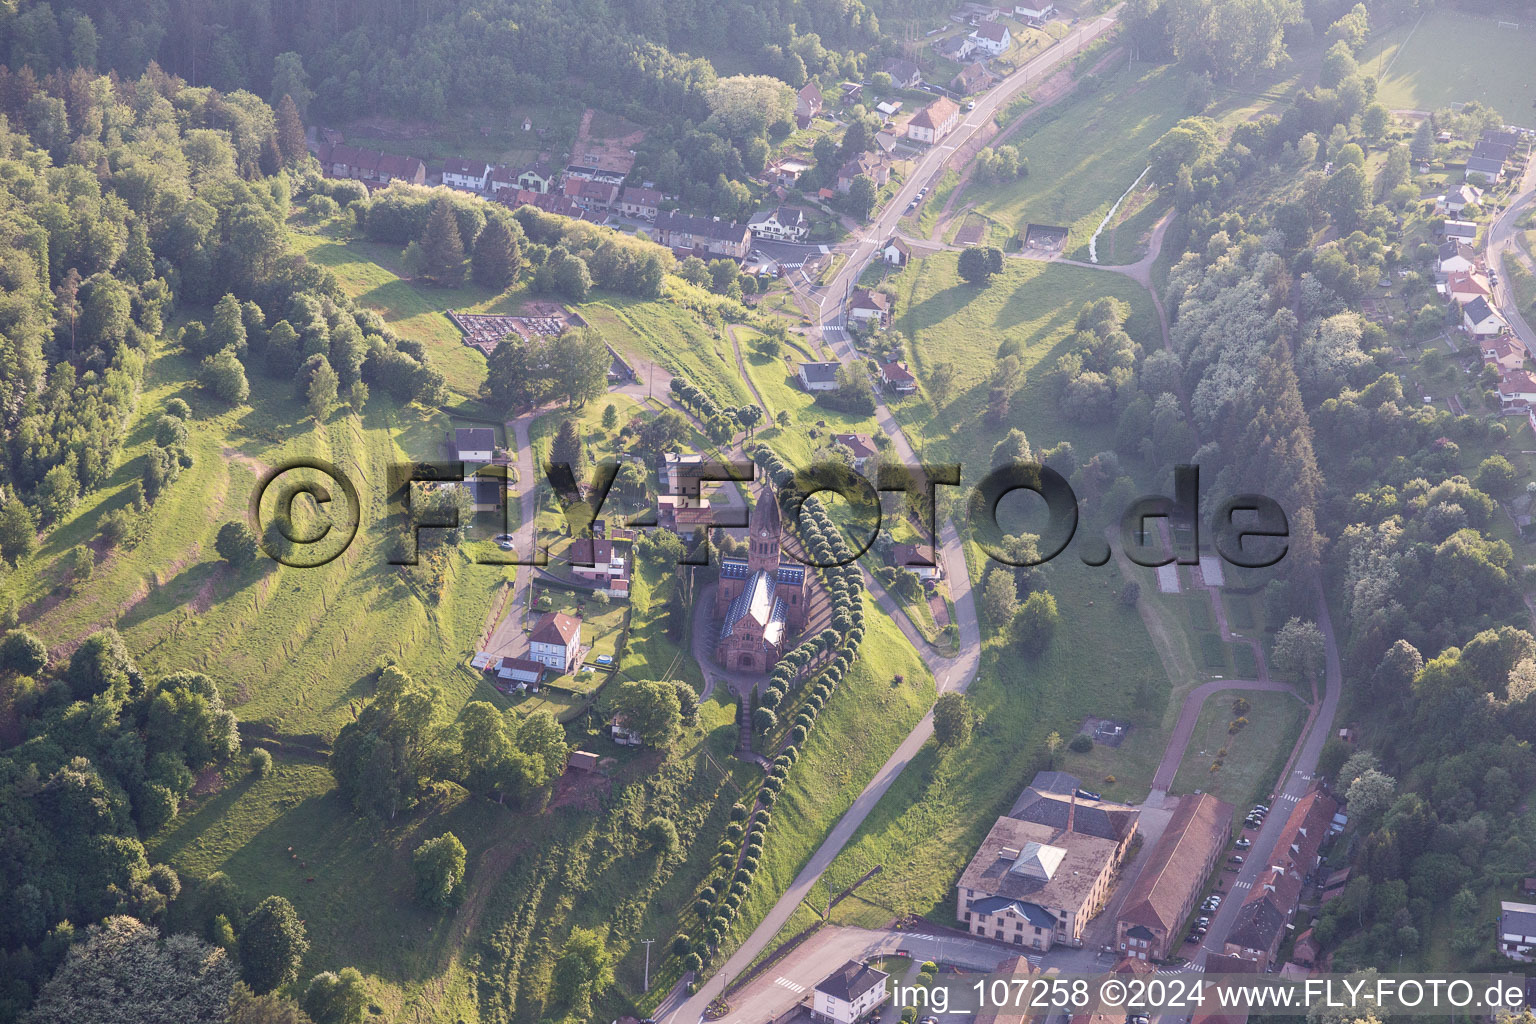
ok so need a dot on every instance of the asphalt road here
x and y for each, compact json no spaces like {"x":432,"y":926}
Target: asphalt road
{"x":931,"y":164}
{"x":1287,"y":792}
{"x":1503,"y":250}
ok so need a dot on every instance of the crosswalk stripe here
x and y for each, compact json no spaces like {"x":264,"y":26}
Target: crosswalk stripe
{"x":792,"y":986}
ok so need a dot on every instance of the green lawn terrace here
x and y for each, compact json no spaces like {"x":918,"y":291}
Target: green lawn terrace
{"x":290,"y":647}
{"x":1028,"y":310}
{"x":350,"y":878}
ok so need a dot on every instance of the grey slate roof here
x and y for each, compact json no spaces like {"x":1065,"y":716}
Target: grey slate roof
{"x":850,"y":981}
{"x":1031,"y":912}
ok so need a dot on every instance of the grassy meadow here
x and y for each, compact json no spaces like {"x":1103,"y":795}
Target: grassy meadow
{"x":1450,"y":57}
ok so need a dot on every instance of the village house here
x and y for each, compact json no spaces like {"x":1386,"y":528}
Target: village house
{"x":808,"y":103}
{"x":1454,"y":256}
{"x":1504,"y":352}
{"x":818,"y":376}
{"x":401,"y":168}
{"x":537,"y":177}
{"x":1482,"y":320}
{"x":780,"y":224}
{"x":956,"y":47}
{"x":876,"y":168}
{"x":890,"y":108}
{"x":917,"y":560}
{"x":1170,"y":884}
{"x":603,"y":561}
{"x":680,"y":472}
{"x":1517,"y":930}
{"x":848,"y":994}
{"x":1487,"y":149}
{"x":485,"y":492}
{"x":1465,"y":285}
{"x":934,"y":122}
{"x":1455,"y":202}
{"x":684,"y":514}
{"x":1462,"y":230}
{"x":869,"y":306}
{"x":465,"y":174}
{"x":501,"y":176}
{"x":904,"y":73}
{"x":596,"y":196}
{"x":1264,"y":919}
{"x":351,"y":162}
{"x":474,"y":444}
{"x":688,"y":235}
{"x":1517,"y":390}
{"x":992,"y":38}
{"x":1483,"y":168}
{"x":861,"y":445}
{"x":641,"y":203}
{"x":898,"y":378}
{"x":972,"y":79}
{"x":853,"y":92}
{"x":896,"y":253}
{"x":555,"y":642}
{"x":1035,"y":15}
{"x":787,"y":171}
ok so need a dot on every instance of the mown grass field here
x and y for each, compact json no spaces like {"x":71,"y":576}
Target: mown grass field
{"x":1451,"y":57}
{"x":1254,"y":753}
{"x":672,"y":337}
{"x":1082,"y":158}
{"x":273,"y":835}
{"x":368,"y":272}
{"x":288,"y":646}
{"x":1029,"y":309}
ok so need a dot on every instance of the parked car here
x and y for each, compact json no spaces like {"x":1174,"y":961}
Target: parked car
{"x":970,"y":105}
{"x":1243,"y":844}
{"x":1236,"y":858}
{"x":1191,"y":937}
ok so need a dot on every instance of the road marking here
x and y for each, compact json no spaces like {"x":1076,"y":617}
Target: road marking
{"x":786,"y":983}
{"x":1241,"y":885}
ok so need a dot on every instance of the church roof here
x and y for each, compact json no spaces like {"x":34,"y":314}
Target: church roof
{"x":757,"y":602}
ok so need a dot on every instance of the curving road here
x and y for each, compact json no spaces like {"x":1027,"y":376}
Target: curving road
{"x":1503,"y":248}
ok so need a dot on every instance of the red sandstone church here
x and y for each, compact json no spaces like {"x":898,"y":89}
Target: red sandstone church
{"x":762,"y":597}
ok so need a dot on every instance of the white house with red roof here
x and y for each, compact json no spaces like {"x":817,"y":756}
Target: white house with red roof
{"x":934,"y":121}
{"x":1517,"y":390}
{"x":1504,"y":352}
{"x":555,"y":641}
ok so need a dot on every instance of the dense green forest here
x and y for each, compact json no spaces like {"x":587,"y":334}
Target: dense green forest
{"x":1393,"y":503}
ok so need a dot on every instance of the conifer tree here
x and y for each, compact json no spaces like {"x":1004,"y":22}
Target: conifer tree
{"x":290,"y":132}
{"x":442,"y":250}
{"x":497,"y":257}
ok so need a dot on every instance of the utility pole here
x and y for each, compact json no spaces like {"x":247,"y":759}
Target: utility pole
{"x":647,"y":963}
